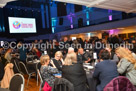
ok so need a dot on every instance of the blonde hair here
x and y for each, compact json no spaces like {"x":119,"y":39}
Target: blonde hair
{"x":59,"y":53}
{"x":44,"y":59}
{"x":124,"y":53}
{"x":70,"y":59}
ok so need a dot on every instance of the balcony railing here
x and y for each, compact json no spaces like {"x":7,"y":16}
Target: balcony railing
{"x":115,"y":17}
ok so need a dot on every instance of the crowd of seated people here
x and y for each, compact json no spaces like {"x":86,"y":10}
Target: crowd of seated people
{"x":108,"y":68}
{"x":112,"y":62}
{"x":105,"y":71}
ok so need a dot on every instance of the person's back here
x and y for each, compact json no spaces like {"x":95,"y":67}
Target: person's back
{"x":76,"y":75}
{"x":22,"y":54}
{"x":74,"y":72}
{"x":106,"y":70}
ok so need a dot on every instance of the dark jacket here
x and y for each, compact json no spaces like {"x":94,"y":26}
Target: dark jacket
{"x":1,"y":70}
{"x":76,"y":75}
{"x":65,"y":50}
{"x":4,"y":61}
{"x":84,"y":57}
{"x":58,"y":64}
{"x":62,"y":83}
{"x":22,"y":54}
{"x":105,"y":71}
{"x":80,"y":58}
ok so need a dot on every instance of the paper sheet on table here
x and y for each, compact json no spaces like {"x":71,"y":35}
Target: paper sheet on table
{"x":88,"y":66}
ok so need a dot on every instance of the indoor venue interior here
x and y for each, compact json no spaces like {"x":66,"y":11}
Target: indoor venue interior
{"x":67,"y":45}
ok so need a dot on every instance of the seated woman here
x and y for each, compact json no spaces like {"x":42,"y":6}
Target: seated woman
{"x":8,"y":56}
{"x":113,"y":56}
{"x":74,"y":72}
{"x":106,"y":70}
{"x":127,"y":64}
{"x":58,"y":61}
{"x":47,"y":71}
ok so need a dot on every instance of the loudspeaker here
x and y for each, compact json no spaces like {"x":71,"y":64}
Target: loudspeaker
{"x":80,"y":22}
{"x":60,"y":21}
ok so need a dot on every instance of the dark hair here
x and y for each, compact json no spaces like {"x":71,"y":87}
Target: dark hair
{"x":104,"y":54}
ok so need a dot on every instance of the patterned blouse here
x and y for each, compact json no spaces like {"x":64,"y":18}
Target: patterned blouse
{"x":47,"y":74}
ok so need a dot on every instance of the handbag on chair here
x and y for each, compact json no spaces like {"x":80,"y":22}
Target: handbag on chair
{"x":47,"y":87}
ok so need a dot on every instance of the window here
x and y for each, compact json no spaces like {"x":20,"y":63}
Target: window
{"x":61,"y":8}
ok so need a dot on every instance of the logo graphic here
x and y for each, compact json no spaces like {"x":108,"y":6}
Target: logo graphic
{"x":16,"y":25}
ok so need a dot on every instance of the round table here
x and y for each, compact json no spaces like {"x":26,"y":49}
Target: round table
{"x":33,"y":65}
{"x":92,"y":82}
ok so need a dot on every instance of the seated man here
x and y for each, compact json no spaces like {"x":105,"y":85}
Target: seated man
{"x":105,"y":70}
{"x":70,"y":50}
{"x":83,"y":56}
